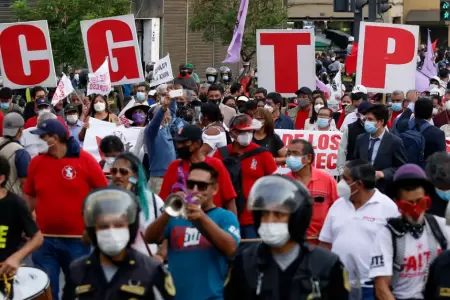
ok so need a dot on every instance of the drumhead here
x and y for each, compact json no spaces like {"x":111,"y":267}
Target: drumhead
{"x":29,"y":282}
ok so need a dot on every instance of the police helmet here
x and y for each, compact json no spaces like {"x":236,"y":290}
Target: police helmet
{"x":211,"y":71}
{"x":282,"y":194}
{"x":107,"y":201}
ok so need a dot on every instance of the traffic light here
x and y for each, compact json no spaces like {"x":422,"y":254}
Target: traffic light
{"x":445,"y":10}
{"x":383,"y":6}
{"x":342,"y":6}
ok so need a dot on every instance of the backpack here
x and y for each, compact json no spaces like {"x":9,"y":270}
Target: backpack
{"x":414,"y":142}
{"x":233,"y":166}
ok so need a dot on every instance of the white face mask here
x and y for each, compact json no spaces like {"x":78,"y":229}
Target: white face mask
{"x":433,"y":86}
{"x":447,"y":105}
{"x":244,"y":139}
{"x":72,"y":119}
{"x":344,"y":189}
{"x":435,"y":111}
{"x":99,"y":107}
{"x":275,"y":235}
{"x":40,"y":112}
{"x":269,"y":108}
{"x":109,"y":160}
{"x":211,"y":79}
{"x":76,"y":77}
{"x":317,"y":107}
{"x":112,"y":241}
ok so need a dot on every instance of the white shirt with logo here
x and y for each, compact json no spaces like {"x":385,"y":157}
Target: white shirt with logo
{"x":410,"y":283}
{"x":352,"y":232}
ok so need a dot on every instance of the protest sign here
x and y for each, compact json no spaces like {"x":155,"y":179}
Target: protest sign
{"x":162,"y":71}
{"x":325,"y":144}
{"x":286,"y":60}
{"x":116,"y":38}
{"x":100,"y":82}
{"x":99,"y":129}
{"x":63,"y":90}
{"x":26,"y":57}
{"x":386,"y":53}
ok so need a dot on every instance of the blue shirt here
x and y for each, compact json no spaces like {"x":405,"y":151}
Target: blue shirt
{"x":75,"y":130}
{"x":22,"y":161}
{"x":284,"y":122}
{"x":198,"y":268}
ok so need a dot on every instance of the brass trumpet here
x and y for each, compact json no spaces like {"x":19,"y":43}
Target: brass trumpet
{"x":175,"y":205}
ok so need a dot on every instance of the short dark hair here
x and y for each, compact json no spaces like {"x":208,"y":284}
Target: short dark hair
{"x":235,"y":87}
{"x":5,"y":169}
{"x":6,"y":93}
{"x":226,"y":98}
{"x":261,"y":91}
{"x":438,"y":168}
{"x":379,"y":111}
{"x":142,"y":84}
{"x":307,"y":147}
{"x":276,"y":98}
{"x":423,"y":108}
{"x":362,"y":170}
{"x":215,"y":87}
{"x":35,"y":90}
{"x":250,"y":105}
{"x":111,"y":143}
{"x":211,"y":111}
{"x":207,"y":168}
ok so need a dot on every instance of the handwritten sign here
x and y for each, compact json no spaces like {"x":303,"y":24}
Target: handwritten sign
{"x":63,"y":90}
{"x":100,"y":81}
{"x":162,"y":71}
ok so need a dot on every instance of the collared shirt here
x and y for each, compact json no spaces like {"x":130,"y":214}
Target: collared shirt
{"x":376,"y":146}
{"x":345,"y":225}
{"x":284,"y":122}
{"x":75,"y":130}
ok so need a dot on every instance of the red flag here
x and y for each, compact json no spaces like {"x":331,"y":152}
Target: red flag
{"x":124,"y":121}
{"x":350,"y":60}
{"x":434,"y":45}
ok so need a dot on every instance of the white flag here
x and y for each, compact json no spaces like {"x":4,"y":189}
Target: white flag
{"x":63,"y":90}
{"x":162,"y":71}
{"x":100,"y":81}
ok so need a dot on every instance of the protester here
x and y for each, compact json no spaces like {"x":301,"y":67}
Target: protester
{"x":185,"y":79}
{"x":74,"y":124}
{"x":324,"y":121}
{"x":214,"y":133}
{"x":359,"y":94}
{"x":229,"y":101}
{"x":203,"y":240}
{"x":318,"y":103}
{"x":42,"y":106}
{"x":215,"y":95}
{"x":274,"y":103}
{"x":74,"y":173}
{"x":303,"y":111}
{"x":438,"y":171}
{"x":31,"y":142}
{"x":6,"y":104}
{"x":111,"y":146}
{"x":100,"y":110}
{"x":29,"y":111}
{"x":260,"y":94}
{"x":396,"y":109}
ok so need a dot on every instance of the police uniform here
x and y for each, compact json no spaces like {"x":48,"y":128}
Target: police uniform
{"x":138,"y":277}
{"x":314,"y":273}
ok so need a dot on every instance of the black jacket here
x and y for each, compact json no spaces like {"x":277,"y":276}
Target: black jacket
{"x":438,"y":283}
{"x":138,"y":277}
{"x":255,"y":264}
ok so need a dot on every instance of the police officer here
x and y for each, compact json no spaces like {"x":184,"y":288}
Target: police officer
{"x":283,"y":266}
{"x":114,"y":270}
{"x":211,"y":75}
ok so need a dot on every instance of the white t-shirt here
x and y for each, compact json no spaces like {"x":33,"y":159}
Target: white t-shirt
{"x":143,"y":223}
{"x":411,"y":281}
{"x":32,"y":142}
{"x":349,"y":119}
{"x":352,"y":232}
{"x":215,"y":141}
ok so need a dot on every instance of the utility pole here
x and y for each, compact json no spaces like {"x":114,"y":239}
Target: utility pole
{"x":372,"y":10}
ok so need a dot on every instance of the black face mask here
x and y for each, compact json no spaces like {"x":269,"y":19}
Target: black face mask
{"x":183,"y":72}
{"x":184,"y":152}
{"x":203,"y":98}
{"x":216,"y":102}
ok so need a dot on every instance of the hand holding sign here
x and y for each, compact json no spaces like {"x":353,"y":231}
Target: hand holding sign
{"x":63,"y":90}
{"x":100,"y":82}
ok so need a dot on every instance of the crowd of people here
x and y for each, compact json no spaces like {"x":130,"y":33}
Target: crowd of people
{"x":200,"y":193}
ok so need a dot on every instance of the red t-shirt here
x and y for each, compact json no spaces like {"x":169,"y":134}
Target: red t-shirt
{"x":252,"y":168}
{"x":32,"y":122}
{"x":226,"y":190}
{"x":301,"y":119}
{"x":60,"y":186}
{"x":393,"y":117}
{"x":2,"y":116}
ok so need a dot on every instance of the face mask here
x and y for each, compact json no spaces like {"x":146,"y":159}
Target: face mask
{"x":76,"y":77}
{"x":344,"y":106}
{"x":40,"y":112}
{"x":72,"y":119}
{"x":140,"y":96}
{"x":216,"y":102}
{"x":112,"y":241}
{"x":244,"y":139}
{"x":269,"y":108}
{"x":396,"y":106}
{"x":109,"y":160}
{"x":184,"y":152}
{"x":225,"y":78}
{"x":99,"y":107}
{"x":370,"y":127}
{"x":183,"y":72}
{"x":416,"y":210}
{"x":317,"y":107}
{"x":211,"y":79}
{"x":275,"y":235}
{"x":333,"y":105}
{"x":433,"y":86}
{"x":294,"y":163}
{"x":302,"y":102}
{"x":333,"y":58}
{"x":139,"y":118}
{"x":323,"y":122}
{"x":444,"y":195}
{"x":344,"y":189}
{"x":447,"y":105}
{"x":435,"y":111}
{"x":4,"y":105}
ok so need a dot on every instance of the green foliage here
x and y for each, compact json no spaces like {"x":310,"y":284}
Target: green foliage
{"x":63,"y":17}
{"x":217,"y":18}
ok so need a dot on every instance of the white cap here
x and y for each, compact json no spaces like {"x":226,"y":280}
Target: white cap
{"x":359,"y":89}
{"x":152,"y":93}
{"x":351,"y":39}
{"x":242,"y":98}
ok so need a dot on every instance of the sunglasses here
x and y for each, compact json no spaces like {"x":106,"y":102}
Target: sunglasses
{"x":122,"y":171}
{"x":201,"y":185}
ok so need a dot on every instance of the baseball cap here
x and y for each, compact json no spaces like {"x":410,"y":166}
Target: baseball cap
{"x":364,"y":106}
{"x":52,"y":127}
{"x":12,"y":123}
{"x":242,"y":98}
{"x":70,"y":107}
{"x":244,"y":123}
{"x":189,"y":66}
{"x":359,"y":89}
{"x":42,"y":101}
{"x":188,"y":133}
{"x":304,"y":90}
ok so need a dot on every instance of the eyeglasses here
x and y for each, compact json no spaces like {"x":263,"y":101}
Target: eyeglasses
{"x":122,"y":171}
{"x":201,"y":185}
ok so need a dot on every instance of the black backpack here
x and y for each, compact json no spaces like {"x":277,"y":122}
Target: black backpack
{"x":233,"y":166}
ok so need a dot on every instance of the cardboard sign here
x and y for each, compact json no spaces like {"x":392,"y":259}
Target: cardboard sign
{"x":286,"y":60}
{"x":387,"y":57}
{"x":26,"y":57}
{"x":63,"y":90}
{"x":162,"y":71}
{"x":325,"y":143}
{"x":100,"y":81}
{"x":116,"y":38}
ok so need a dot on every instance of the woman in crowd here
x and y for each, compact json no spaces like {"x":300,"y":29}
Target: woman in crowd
{"x":127,"y":172}
{"x":324,"y":121}
{"x":138,"y":114}
{"x":111,"y":146}
{"x":346,"y":108}
{"x":266,"y":136}
{"x":214,"y":134}
{"x":261,"y":103}
{"x":229,"y":101}
{"x":318,"y":103}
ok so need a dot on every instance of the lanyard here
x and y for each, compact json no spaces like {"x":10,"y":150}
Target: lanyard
{"x":181,"y":174}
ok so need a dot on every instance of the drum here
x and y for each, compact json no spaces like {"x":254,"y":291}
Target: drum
{"x":30,"y":283}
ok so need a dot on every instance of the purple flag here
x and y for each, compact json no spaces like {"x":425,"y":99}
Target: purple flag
{"x":321,"y":86}
{"x":234,"y":50}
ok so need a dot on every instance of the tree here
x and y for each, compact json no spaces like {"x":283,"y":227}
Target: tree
{"x":63,"y":17}
{"x":217,"y":19}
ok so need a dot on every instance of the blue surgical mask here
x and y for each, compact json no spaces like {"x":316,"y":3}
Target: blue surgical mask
{"x":369,"y":127}
{"x":4,"y":105}
{"x":294,"y":163}
{"x":323,"y":122}
{"x":140,"y":96}
{"x":396,"y":106}
{"x":444,"y":195}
